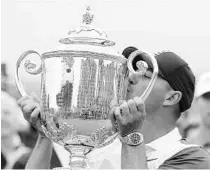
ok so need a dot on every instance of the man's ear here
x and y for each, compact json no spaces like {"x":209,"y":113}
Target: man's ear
{"x":172,"y":98}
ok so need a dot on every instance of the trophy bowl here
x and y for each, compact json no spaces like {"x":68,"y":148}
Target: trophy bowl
{"x":78,"y":81}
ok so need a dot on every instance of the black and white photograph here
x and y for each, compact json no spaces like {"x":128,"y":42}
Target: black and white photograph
{"x":105,"y":84}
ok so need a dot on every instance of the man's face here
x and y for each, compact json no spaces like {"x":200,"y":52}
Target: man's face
{"x":137,"y":85}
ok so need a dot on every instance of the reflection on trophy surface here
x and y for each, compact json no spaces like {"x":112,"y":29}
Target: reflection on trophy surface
{"x":76,"y":96}
{"x":79,"y":80}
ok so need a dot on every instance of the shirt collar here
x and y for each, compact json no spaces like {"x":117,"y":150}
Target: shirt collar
{"x":162,"y":142}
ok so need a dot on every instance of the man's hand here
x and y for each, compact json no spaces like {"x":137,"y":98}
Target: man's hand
{"x":129,"y":116}
{"x":30,"y":106}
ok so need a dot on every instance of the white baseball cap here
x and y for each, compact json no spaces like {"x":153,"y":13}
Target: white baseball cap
{"x":202,"y":84}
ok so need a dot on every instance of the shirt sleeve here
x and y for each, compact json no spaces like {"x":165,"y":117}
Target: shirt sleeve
{"x":189,"y":158}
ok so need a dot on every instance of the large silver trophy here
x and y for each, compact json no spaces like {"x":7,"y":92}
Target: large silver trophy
{"x":78,"y":81}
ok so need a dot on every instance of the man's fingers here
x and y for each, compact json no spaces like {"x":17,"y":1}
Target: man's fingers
{"x":29,"y":107}
{"x":118,"y":114}
{"x":140,"y":105}
{"x":27,"y":102}
{"x":22,"y":99}
{"x":34,"y":116}
{"x":115,"y":102}
{"x":124,"y":109}
{"x":113,"y":119}
{"x":132,"y":106}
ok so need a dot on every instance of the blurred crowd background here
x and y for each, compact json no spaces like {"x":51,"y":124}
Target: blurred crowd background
{"x":18,"y":138}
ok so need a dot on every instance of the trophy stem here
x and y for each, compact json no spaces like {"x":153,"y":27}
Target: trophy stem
{"x":78,"y":159}
{"x":78,"y":162}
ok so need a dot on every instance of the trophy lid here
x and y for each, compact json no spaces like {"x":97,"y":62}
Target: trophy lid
{"x":87,"y":34}
{"x":87,"y":39}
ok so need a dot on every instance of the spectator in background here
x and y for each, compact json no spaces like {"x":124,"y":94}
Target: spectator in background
{"x":194,"y":124}
{"x":12,"y":122}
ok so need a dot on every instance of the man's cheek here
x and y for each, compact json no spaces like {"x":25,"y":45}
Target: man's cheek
{"x":141,"y":87}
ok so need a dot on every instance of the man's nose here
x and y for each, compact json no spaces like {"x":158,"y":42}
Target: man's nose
{"x":131,"y":78}
{"x":135,"y":78}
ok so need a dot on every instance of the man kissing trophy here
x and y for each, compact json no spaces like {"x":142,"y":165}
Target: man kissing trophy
{"x":78,"y":81}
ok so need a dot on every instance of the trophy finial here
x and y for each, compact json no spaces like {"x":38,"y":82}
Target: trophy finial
{"x":86,"y":33}
{"x":88,"y":16}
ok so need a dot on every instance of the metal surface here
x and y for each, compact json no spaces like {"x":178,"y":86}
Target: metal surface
{"x":29,"y":67}
{"x":78,"y":82}
{"x":76,"y":93}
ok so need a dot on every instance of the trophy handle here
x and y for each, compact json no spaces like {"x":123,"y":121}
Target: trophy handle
{"x":29,"y":67}
{"x":142,"y":68}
